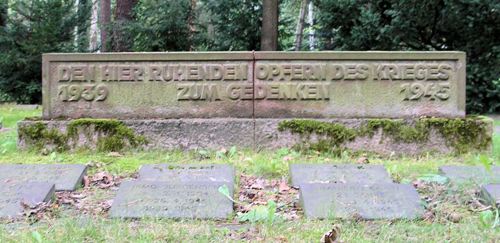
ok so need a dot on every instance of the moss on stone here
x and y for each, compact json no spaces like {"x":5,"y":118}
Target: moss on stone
{"x":333,"y":135}
{"x":112,"y":135}
{"x":39,"y":135}
{"x":462,"y":134}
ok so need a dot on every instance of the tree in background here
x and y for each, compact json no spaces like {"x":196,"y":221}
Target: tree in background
{"x":124,"y":14}
{"x":234,"y":25}
{"x":104,"y":23}
{"x":269,"y":36}
{"x":162,"y":25}
{"x":3,"y":13}
{"x":471,"y":26}
{"x":300,"y":25}
{"x":34,"y":27}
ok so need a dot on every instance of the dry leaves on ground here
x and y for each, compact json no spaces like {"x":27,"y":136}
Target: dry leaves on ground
{"x":258,"y":191}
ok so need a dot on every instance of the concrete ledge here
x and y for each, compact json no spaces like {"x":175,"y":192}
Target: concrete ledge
{"x":382,"y":136}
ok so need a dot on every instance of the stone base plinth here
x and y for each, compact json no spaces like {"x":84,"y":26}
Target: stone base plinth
{"x":382,"y":136}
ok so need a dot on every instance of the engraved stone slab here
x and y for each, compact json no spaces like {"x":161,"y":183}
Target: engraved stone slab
{"x":352,"y":200}
{"x":188,"y":173}
{"x":14,"y":194}
{"x":248,"y":85}
{"x":148,"y":85}
{"x":491,"y":193}
{"x":468,"y":174}
{"x":200,"y":200}
{"x":359,"y":84}
{"x":340,"y":173}
{"x":66,"y":177}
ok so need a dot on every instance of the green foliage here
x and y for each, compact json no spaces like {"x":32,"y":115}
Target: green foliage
{"x":161,"y":25}
{"x":236,"y":24}
{"x":471,"y":26}
{"x":35,"y":27}
{"x":260,"y":214}
{"x":490,"y":218}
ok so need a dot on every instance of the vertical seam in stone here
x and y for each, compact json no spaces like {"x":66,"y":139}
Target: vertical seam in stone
{"x":253,"y":100}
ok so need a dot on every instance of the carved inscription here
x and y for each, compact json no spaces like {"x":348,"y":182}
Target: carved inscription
{"x":273,"y":81}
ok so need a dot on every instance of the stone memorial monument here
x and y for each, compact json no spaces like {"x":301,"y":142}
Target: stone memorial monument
{"x":384,"y":102}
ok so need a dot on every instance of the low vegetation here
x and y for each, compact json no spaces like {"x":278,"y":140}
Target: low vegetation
{"x":454,"y":214}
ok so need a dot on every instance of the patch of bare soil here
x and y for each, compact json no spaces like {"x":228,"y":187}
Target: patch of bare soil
{"x":258,"y":191}
{"x":448,"y":202}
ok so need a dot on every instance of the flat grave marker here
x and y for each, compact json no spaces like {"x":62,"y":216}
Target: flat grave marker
{"x":352,"y":200}
{"x":338,"y":173}
{"x":467,"y":174}
{"x":66,"y":177}
{"x":160,"y":199}
{"x":188,"y":173}
{"x":13,"y":195}
{"x":491,"y":193}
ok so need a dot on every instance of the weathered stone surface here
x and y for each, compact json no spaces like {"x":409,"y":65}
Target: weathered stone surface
{"x":221,"y":84}
{"x":338,"y":173}
{"x":148,"y":85}
{"x":269,"y":136}
{"x":352,"y":200}
{"x":359,"y":84}
{"x":188,"y":134}
{"x":14,"y":195}
{"x":66,"y":177}
{"x":201,"y":200}
{"x":471,"y":174}
{"x":185,"y":134}
{"x":491,"y":193}
{"x":188,"y":173}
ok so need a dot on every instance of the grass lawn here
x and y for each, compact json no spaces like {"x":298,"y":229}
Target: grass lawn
{"x":455,"y":216}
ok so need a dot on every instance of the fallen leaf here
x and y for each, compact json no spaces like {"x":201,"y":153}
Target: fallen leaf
{"x":331,"y":236}
{"x":363,"y":160}
{"x":114,"y":154}
{"x":283,"y":187}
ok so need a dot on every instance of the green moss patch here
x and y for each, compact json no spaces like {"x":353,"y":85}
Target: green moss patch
{"x":462,"y":134}
{"x":39,"y":136}
{"x":112,"y":135}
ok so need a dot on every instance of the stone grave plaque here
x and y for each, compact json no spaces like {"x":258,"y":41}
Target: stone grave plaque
{"x":66,"y":177}
{"x":13,"y":195}
{"x":491,"y":193}
{"x":352,"y":200}
{"x":188,"y":173}
{"x":200,"y":200}
{"x":470,"y":174}
{"x":338,"y":173}
{"x":148,"y":85}
{"x":359,"y":84}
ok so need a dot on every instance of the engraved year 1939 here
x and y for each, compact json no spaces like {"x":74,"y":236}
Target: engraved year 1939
{"x":83,"y":92}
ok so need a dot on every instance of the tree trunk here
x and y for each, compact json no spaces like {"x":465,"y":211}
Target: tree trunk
{"x":191,"y":25}
{"x":312,"y":37}
{"x":94,"y":27}
{"x":300,"y":25}
{"x":269,"y":36}
{"x":104,"y":21}
{"x":3,"y":12}
{"x":123,"y":14}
